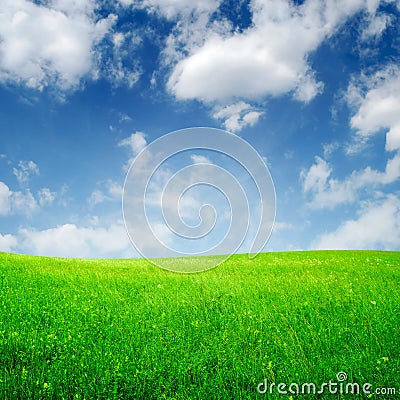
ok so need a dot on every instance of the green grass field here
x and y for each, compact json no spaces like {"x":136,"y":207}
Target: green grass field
{"x":124,"y":329}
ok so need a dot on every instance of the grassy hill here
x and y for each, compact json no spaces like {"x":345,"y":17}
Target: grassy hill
{"x":124,"y":329}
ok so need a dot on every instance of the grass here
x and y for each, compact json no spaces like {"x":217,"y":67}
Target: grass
{"x":124,"y":329}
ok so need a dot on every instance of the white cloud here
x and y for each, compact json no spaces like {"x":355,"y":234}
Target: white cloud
{"x":70,"y":240}
{"x":97,"y":197}
{"x":111,"y":191}
{"x":250,"y":66}
{"x":377,"y":226}
{"x":377,"y":102}
{"x":5,"y":194}
{"x":46,"y":196}
{"x":199,"y":159}
{"x":237,"y":116}
{"x":8,"y":242}
{"x":52,"y":44}
{"x":327,"y":192}
{"x":282,"y":226}
{"x":173,"y":8}
{"x":136,"y":142}
{"x":16,"y":202}
{"x":307,"y":88}
{"x":115,"y":59}
{"x":25,"y":170}
{"x":23,"y":203}
{"x":376,"y":25}
{"x":215,"y":201}
{"x":316,"y":177}
{"x":330,"y":148}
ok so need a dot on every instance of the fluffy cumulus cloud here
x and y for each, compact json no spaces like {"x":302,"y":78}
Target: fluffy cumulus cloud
{"x":50,"y":43}
{"x":135,"y":143}
{"x":328,"y":192}
{"x":249,"y":65}
{"x":377,"y":226}
{"x":375,"y":101}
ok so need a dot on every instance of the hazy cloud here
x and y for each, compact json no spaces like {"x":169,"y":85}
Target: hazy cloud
{"x":25,"y":170}
{"x":377,"y":226}
{"x":237,"y":116}
{"x":70,"y":240}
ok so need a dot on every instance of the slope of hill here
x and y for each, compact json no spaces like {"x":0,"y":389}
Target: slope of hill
{"x":124,"y":329}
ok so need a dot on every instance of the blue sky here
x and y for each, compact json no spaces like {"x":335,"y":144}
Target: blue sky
{"x":313,"y":86}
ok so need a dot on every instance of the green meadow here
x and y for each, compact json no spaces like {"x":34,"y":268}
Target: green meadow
{"x":125,"y":329}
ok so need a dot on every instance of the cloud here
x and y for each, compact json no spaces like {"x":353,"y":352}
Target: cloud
{"x":376,"y":25}
{"x":376,"y":99}
{"x":173,"y":8}
{"x":7,"y":242}
{"x":111,"y":191}
{"x":136,"y":142}
{"x":51,"y":44}
{"x":330,"y":148}
{"x":23,"y":202}
{"x":282,"y":226}
{"x":237,"y":116}
{"x":377,"y":227}
{"x":199,"y":159}
{"x":249,"y":66}
{"x":5,"y":194}
{"x":327,"y":192}
{"x":69,"y":240}
{"x":16,"y":202}
{"x":214,"y":199}
{"x":115,"y":58}
{"x":46,"y":196}
{"x":316,"y":177}
{"x":25,"y":170}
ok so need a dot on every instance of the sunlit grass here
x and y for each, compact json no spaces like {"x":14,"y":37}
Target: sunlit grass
{"x":125,"y":329}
